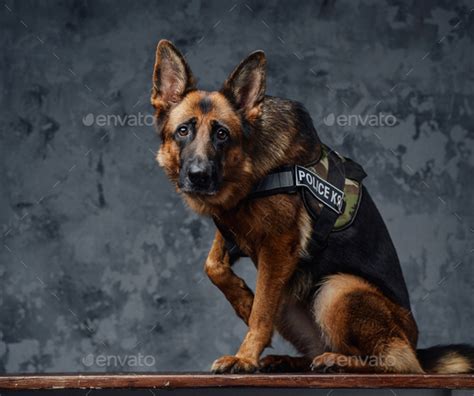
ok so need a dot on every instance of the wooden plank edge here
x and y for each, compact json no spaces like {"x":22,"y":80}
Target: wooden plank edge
{"x":174,"y":381}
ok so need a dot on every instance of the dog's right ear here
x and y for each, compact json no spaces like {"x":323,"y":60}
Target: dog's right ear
{"x":172,"y":77}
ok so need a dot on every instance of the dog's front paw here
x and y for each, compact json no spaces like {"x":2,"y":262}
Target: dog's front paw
{"x":233,"y":365}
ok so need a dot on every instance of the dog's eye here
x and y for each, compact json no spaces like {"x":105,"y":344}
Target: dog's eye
{"x":222,"y":134}
{"x":183,"y":131}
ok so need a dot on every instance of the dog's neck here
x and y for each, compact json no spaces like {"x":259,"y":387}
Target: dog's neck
{"x":284,"y":135}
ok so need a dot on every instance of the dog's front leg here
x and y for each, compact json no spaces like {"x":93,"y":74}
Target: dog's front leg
{"x":275,"y":267}
{"x":218,"y":268}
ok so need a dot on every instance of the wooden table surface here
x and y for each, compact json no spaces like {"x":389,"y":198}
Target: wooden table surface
{"x":206,"y":380}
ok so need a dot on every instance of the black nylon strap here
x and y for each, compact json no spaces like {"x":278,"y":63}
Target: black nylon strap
{"x":280,"y":181}
{"x":230,"y":245}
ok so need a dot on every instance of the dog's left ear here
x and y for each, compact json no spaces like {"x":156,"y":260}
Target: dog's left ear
{"x":245,"y":86}
{"x":172,"y":77}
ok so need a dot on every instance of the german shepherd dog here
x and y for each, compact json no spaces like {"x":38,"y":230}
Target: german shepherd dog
{"x":346,"y":309}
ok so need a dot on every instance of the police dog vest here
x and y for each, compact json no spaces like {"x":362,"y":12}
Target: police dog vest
{"x":331,"y":190}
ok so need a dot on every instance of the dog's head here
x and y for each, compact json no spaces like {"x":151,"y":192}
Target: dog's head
{"x":205,"y":148}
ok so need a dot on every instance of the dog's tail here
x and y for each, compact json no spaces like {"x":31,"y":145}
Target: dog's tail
{"x":447,"y":359}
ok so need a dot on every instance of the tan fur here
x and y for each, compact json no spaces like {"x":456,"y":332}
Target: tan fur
{"x":400,"y":357}
{"x":453,"y":363}
{"x":328,"y":303}
{"x":305,"y":229}
{"x":219,"y":270}
{"x":357,"y":321}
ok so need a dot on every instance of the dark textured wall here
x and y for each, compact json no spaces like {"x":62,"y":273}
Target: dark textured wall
{"x":99,"y":258}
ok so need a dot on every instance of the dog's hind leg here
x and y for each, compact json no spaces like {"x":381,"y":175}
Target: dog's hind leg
{"x":395,"y":357}
{"x":364,"y":330}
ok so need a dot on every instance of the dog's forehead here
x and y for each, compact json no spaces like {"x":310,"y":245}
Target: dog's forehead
{"x":203,"y":106}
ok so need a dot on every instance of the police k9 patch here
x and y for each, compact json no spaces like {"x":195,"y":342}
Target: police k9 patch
{"x":325,"y":192}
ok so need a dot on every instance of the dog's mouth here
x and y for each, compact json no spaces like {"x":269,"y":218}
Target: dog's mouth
{"x":193,"y":190}
{"x":197,"y":192}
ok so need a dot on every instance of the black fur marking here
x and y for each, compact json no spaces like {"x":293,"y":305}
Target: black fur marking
{"x":305,"y":123}
{"x":205,"y":104}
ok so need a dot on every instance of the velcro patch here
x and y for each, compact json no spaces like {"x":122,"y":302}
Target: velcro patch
{"x":325,"y":192}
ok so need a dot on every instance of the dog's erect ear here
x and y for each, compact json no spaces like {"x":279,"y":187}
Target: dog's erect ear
{"x":245,"y":86}
{"x":172,"y":78}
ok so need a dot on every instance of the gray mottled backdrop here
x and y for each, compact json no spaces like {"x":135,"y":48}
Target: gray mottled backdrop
{"x":101,"y":263}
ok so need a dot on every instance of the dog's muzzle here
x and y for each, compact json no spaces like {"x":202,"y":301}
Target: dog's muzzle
{"x":199,"y":176}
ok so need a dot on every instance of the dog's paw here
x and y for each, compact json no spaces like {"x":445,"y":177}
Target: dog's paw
{"x":233,"y":365}
{"x":327,"y":362}
{"x":283,"y":364}
{"x":273,"y":364}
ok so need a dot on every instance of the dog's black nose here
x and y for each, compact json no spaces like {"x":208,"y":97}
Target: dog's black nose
{"x":200,"y":175}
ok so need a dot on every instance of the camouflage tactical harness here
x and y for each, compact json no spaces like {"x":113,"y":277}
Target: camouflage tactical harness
{"x":330,"y":187}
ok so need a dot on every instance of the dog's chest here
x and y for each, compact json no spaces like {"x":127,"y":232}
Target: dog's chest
{"x":263,"y":221}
